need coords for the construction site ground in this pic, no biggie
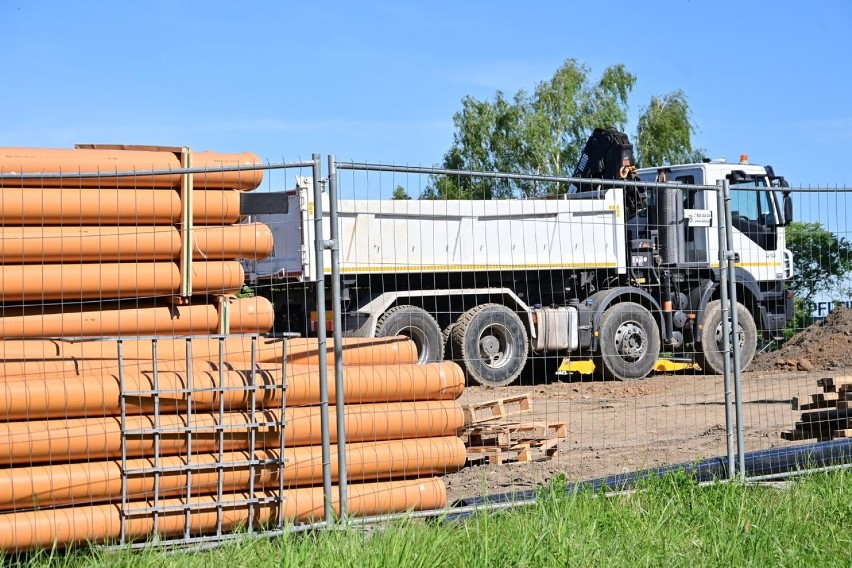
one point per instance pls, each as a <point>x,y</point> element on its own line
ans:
<point>617,427</point>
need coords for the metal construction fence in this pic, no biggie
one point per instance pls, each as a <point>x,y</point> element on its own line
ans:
<point>761,423</point>
<point>188,358</point>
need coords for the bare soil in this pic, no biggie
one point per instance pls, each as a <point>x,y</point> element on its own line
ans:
<point>617,427</point>
<point>620,427</point>
<point>824,346</point>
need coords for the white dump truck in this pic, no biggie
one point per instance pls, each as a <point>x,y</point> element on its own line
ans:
<point>615,276</point>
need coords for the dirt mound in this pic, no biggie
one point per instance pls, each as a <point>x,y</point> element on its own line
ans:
<point>824,346</point>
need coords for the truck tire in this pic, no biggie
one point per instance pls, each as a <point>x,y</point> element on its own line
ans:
<point>447,342</point>
<point>629,341</point>
<point>710,337</point>
<point>416,324</point>
<point>491,342</point>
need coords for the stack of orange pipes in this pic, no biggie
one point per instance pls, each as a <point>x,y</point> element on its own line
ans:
<point>61,439</point>
<point>203,425</point>
<point>76,242</point>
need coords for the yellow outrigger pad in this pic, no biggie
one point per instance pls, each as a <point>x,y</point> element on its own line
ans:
<point>587,366</point>
<point>669,365</point>
<point>582,366</point>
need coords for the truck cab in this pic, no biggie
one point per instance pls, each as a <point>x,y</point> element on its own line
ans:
<point>760,211</point>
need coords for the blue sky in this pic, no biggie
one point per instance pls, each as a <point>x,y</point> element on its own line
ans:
<point>380,81</point>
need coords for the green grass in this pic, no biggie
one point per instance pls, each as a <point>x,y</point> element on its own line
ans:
<point>665,522</point>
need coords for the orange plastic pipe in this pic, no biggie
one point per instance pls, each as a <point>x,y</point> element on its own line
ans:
<point>252,241</point>
<point>69,282</point>
<point>31,397</point>
<point>247,315</point>
<point>37,206</point>
<point>100,523</point>
<point>93,482</point>
<point>37,245</point>
<point>62,441</point>
<point>73,161</point>
<point>356,351</point>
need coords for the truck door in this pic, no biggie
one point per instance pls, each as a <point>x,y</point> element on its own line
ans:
<point>755,220</point>
<point>681,220</point>
<point>698,221</point>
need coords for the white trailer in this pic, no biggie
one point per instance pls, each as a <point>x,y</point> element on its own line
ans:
<point>589,275</point>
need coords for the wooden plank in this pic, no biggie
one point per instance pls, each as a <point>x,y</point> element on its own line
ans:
<point>489,439</point>
<point>505,433</point>
<point>525,455</point>
<point>498,409</point>
<point>824,416</point>
<point>807,430</point>
<point>832,383</point>
<point>795,435</point>
<point>529,430</point>
<point>818,400</point>
<point>560,429</point>
<point>825,397</point>
<point>817,405</point>
<point>498,456</point>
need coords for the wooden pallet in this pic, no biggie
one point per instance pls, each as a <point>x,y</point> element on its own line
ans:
<point>490,433</point>
<point>827,415</point>
<point>498,455</point>
<point>514,453</point>
<point>499,409</point>
<point>504,434</point>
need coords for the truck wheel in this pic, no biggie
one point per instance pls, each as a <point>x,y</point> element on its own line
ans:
<point>447,342</point>
<point>629,341</point>
<point>710,351</point>
<point>416,324</point>
<point>491,342</point>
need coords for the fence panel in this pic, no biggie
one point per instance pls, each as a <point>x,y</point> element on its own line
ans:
<point>140,400</point>
<point>794,392</point>
<point>543,302</point>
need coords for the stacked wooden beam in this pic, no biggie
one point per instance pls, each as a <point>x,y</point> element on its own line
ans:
<point>827,414</point>
<point>495,431</point>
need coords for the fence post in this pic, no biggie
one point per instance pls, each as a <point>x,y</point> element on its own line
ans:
<point>337,335</point>
<point>319,246</point>
<point>726,327</point>
<point>122,389</point>
<point>735,326</point>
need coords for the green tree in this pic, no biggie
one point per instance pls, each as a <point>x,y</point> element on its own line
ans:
<point>821,260</point>
<point>544,132</point>
<point>664,134</point>
<point>400,194</point>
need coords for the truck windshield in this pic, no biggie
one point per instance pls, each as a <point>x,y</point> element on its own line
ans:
<point>754,212</point>
<point>751,203</point>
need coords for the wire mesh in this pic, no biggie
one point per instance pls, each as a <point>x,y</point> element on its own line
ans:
<point>165,381</point>
<point>559,411</point>
<point>124,324</point>
<point>794,392</point>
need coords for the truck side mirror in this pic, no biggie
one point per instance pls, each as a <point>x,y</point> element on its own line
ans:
<point>788,208</point>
